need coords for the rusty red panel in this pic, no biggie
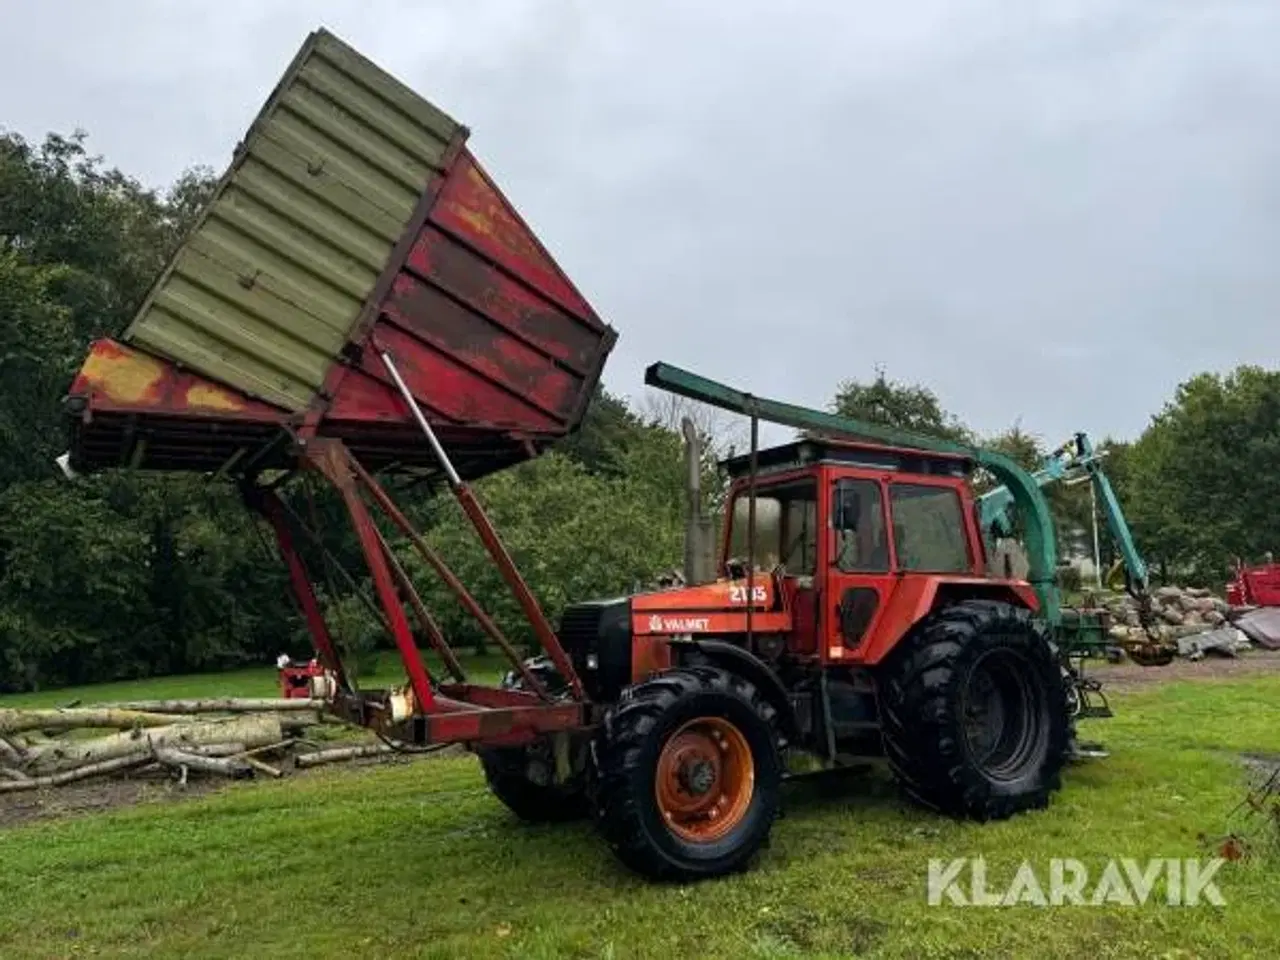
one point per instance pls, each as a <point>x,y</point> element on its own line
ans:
<point>486,329</point>
<point>449,388</point>
<point>472,342</point>
<point>503,300</point>
<point>472,208</point>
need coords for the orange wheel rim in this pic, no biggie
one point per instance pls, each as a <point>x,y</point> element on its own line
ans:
<point>705,781</point>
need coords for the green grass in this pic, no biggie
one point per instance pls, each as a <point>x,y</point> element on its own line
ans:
<point>417,860</point>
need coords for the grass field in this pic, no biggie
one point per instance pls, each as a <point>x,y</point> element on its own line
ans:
<point>415,859</point>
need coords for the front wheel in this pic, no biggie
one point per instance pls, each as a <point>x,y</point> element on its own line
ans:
<point>524,778</point>
<point>975,714</point>
<point>689,774</point>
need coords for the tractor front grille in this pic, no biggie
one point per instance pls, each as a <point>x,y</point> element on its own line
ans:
<point>597,637</point>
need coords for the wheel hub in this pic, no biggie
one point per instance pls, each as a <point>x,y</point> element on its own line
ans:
<point>698,776</point>
<point>1001,714</point>
<point>705,779</point>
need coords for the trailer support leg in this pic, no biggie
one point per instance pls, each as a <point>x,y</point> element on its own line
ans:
<point>333,460</point>
<point>271,507</point>
<point>428,623</point>
<point>459,589</point>
<point>489,536</point>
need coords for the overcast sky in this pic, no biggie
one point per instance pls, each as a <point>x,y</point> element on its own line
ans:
<point>1050,212</point>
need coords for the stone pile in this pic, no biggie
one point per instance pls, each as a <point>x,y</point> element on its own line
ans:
<point>1193,617</point>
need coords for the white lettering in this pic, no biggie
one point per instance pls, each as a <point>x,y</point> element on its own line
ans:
<point>978,886</point>
<point>1025,888</point>
<point>1141,881</point>
<point>1111,888</point>
<point>1199,884</point>
<point>1060,891</point>
<point>944,881</point>
<point>1173,886</point>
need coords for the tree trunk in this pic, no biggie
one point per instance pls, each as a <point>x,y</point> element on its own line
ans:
<point>305,760</point>
<point>9,754</point>
<point>224,767</point>
<point>19,721</point>
<point>115,765</point>
<point>221,705</point>
<point>251,731</point>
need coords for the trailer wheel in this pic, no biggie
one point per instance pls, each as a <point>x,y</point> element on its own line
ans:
<point>974,712</point>
<point>688,774</point>
<point>523,778</point>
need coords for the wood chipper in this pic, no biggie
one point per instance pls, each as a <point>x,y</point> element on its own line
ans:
<point>360,303</point>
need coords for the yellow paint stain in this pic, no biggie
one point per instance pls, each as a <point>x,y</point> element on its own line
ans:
<point>482,209</point>
<point>477,221</point>
<point>207,396</point>
<point>123,377</point>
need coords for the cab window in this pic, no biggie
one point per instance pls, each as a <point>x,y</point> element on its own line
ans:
<point>786,527</point>
<point>858,522</point>
<point>928,528</point>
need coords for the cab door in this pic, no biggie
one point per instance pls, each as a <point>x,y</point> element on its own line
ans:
<point>860,566</point>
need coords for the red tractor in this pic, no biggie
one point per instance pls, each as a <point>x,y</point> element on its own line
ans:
<point>871,630</point>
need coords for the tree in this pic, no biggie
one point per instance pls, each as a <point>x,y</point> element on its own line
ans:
<point>1204,478</point>
<point>888,402</point>
<point>575,535</point>
<point>36,347</point>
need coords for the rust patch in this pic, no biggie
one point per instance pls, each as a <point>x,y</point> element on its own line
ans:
<point>472,207</point>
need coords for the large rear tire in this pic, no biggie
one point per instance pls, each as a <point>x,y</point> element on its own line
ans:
<point>523,778</point>
<point>974,712</point>
<point>689,774</point>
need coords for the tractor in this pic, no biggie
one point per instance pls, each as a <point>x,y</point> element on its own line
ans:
<point>854,619</point>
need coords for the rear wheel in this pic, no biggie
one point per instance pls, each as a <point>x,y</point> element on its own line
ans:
<point>524,778</point>
<point>975,713</point>
<point>688,774</point>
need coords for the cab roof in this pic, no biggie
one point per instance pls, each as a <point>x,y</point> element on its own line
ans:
<point>811,451</point>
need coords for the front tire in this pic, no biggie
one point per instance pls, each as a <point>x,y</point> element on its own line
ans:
<point>689,775</point>
<point>523,778</point>
<point>974,712</point>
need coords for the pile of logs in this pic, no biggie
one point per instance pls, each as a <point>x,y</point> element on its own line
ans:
<point>234,738</point>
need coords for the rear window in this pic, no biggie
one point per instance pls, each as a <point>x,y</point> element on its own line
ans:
<point>928,528</point>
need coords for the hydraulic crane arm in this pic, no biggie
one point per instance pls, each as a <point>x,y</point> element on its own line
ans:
<point>993,506</point>
<point>1038,535</point>
<point>1076,457</point>
<point>1139,574</point>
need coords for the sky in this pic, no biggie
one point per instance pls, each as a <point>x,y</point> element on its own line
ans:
<point>1050,213</point>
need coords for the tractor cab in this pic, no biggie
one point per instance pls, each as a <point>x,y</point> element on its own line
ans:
<point>857,541</point>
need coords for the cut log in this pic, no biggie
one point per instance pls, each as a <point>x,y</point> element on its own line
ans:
<point>222,705</point>
<point>261,767</point>
<point>340,754</point>
<point>10,755</point>
<point>20,721</point>
<point>222,766</point>
<point>251,731</point>
<point>7,774</point>
<point>115,765</point>
<point>270,747</point>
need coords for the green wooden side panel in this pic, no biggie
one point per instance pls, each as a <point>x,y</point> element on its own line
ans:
<point>266,289</point>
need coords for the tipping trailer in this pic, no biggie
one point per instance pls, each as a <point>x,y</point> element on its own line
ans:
<point>360,302</point>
